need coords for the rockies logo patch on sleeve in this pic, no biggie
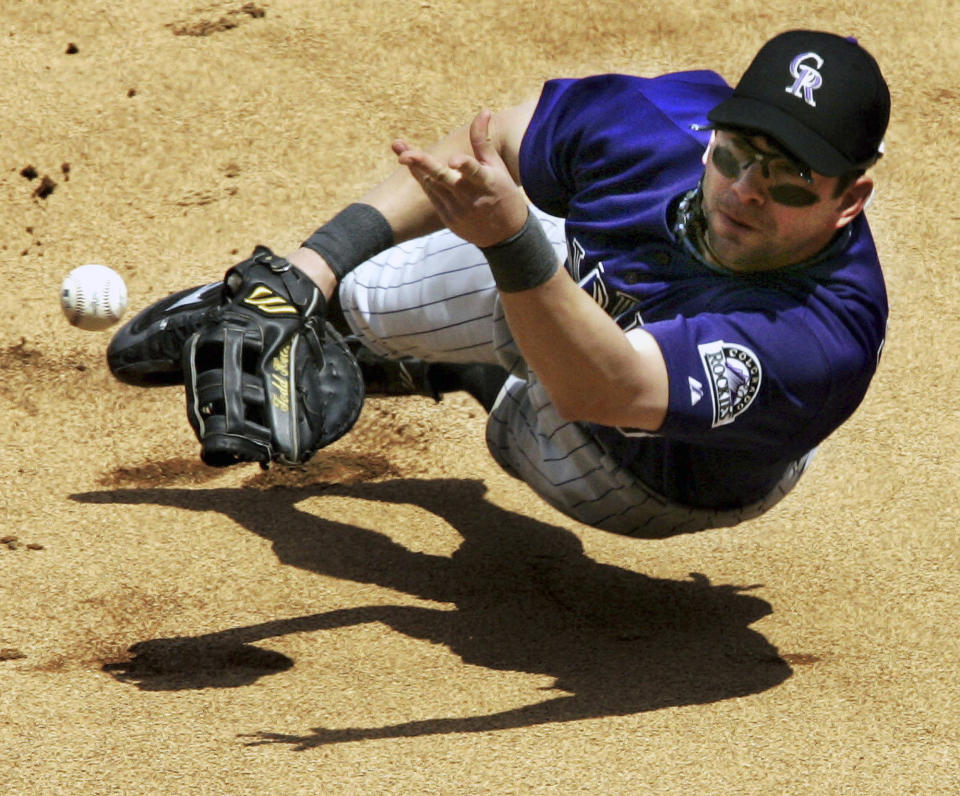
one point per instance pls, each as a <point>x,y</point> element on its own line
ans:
<point>733,374</point>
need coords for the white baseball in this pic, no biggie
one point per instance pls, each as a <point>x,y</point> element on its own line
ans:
<point>93,297</point>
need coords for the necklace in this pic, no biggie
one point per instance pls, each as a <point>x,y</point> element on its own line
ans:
<point>707,249</point>
<point>689,228</point>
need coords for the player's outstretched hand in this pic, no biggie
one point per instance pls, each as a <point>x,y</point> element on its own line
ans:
<point>474,195</point>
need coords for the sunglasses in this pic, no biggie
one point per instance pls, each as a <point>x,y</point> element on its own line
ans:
<point>782,170</point>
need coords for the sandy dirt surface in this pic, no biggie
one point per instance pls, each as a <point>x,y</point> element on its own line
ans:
<point>399,616</point>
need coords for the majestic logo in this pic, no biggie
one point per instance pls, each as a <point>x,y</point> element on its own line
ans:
<point>734,375</point>
<point>280,380</point>
<point>806,77</point>
<point>265,300</point>
<point>696,391</point>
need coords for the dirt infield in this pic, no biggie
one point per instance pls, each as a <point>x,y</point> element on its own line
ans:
<point>399,616</point>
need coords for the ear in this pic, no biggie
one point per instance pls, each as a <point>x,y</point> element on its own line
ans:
<point>854,200</point>
<point>706,152</point>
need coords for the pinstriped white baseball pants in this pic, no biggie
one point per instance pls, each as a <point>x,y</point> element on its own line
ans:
<point>434,298</point>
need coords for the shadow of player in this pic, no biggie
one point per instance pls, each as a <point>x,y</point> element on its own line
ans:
<point>526,599</point>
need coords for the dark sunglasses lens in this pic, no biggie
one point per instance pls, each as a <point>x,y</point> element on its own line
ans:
<point>727,164</point>
<point>792,195</point>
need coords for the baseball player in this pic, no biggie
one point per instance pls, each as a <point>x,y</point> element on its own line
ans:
<point>664,290</point>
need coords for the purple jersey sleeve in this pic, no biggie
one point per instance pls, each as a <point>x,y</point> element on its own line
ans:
<point>736,378</point>
<point>595,141</point>
<point>777,359</point>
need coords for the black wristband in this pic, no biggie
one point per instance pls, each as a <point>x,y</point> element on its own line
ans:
<point>523,261</point>
<point>354,235</point>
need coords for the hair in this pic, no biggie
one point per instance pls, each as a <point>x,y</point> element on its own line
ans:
<point>844,181</point>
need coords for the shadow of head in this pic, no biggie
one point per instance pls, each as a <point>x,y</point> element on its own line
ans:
<point>175,664</point>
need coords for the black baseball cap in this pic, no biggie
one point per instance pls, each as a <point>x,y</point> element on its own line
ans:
<point>818,95</point>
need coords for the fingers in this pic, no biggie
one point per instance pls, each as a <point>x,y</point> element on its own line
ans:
<point>425,168</point>
<point>433,174</point>
<point>464,179</point>
<point>469,168</point>
<point>481,140</point>
<point>473,193</point>
<point>399,146</point>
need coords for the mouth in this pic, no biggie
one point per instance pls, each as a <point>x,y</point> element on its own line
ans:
<point>734,221</point>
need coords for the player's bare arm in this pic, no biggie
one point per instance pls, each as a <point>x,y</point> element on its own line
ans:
<point>403,203</point>
<point>590,369</point>
<point>588,366</point>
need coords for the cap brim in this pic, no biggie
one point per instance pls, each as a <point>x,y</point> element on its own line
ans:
<point>799,140</point>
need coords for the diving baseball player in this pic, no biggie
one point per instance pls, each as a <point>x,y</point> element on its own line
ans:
<point>682,302</point>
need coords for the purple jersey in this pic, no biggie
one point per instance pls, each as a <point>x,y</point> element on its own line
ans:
<point>762,367</point>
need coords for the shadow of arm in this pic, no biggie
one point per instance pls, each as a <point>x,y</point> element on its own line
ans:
<point>559,709</point>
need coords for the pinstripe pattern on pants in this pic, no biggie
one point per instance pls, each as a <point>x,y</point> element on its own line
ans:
<point>434,298</point>
<point>566,465</point>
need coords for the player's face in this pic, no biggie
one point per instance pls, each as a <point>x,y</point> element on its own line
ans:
<point>762,209</point>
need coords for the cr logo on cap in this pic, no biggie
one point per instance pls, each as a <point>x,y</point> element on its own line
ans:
<point>807,78</point>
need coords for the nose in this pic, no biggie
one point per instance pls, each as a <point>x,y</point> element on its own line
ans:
<point>749,183</point>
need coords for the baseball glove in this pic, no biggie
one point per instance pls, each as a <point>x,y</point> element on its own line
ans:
<point>267,379</point>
